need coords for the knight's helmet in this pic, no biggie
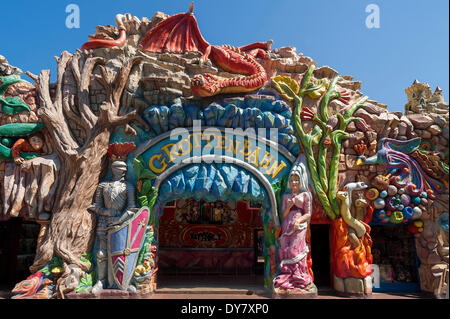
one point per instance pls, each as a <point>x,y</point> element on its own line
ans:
<point>117,153</point>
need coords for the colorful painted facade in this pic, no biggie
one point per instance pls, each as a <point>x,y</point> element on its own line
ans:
<point>156,152</point>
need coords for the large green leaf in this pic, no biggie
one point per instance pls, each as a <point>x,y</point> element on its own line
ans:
<point>146,186</point>
<point>13,104</point>
<point>20,129</point>
<point>143,201</point>
<point>86,282</point>
<point>140,170</point>
<point>138,166</point>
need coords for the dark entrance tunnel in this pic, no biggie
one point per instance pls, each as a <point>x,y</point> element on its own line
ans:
<point>320,254</point>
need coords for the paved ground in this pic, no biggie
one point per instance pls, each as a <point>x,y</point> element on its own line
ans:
<point>323,294</point>
<point>240,287</point>
<point>232,287</point>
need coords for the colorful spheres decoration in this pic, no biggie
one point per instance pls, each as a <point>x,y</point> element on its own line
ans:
<point>397,205</point>
<point>392,190</point>
<point>383,194</point>
<point>416,200</point>
<point>417,213</point>
<point>408,212</point>
<point>396,217</point>
<point>406,199</point>
<point>379,203</point>
<point>372,194</point>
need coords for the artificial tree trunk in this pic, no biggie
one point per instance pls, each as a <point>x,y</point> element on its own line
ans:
<point>72,226</point>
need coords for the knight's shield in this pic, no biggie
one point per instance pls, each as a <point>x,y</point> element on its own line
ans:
<point>124,243</point>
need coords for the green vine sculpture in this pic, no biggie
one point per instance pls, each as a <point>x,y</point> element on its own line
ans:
<point>147,195</point>
<point>323,135</point>
<point>88,280</point>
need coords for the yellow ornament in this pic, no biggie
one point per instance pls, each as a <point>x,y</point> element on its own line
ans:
<point>317,88</point>
<point>372,194</point>
<point>418,223</point>
<point>280,80</point>
<point>57,270</point>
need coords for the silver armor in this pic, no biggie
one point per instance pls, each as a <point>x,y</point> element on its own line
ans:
<point>114,203</point>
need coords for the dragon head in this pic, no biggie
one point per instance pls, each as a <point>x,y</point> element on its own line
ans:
<point>204,85</point>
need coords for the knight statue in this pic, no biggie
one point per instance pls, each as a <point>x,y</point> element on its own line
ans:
<point>114,204</point>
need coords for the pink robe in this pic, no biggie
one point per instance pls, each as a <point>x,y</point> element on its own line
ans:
<point>293,249</point>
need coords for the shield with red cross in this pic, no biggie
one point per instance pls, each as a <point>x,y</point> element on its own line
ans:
<point>125,242</point>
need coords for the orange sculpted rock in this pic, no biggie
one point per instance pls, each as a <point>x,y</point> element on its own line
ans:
<point>348,262</point>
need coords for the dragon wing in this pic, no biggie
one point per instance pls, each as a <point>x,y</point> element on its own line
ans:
<point>177,34</point>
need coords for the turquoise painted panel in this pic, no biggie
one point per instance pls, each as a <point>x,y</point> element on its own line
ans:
<point>210,184</point>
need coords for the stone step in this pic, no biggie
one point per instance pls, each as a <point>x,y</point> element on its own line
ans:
<point>244,285</point>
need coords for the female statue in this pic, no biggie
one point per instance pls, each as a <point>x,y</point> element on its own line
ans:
<point>293,249</point>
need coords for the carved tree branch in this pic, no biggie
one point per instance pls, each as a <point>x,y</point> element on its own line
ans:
<point>68,111</point>
<point>121,79</point>
<point>109,110</point>
<point>83,92</point>
<point>107,118</point>
<point>53,117</point>
<point>105,80</point>
<point>62,65</point>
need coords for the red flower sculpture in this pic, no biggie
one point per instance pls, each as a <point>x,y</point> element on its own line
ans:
<point>326,141</point>
<point>360,148</point>
<point>306,114</point>
<point>344,97</point>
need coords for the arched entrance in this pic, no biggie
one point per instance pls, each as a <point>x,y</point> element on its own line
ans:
<point>234,181</point>
<point>220,177</point>
<point>224,183</point>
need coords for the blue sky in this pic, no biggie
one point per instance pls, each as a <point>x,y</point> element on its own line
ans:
<point>411,43</point>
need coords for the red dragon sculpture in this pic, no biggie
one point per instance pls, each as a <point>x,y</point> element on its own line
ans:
<point>104,43</point>
<point>180,33</point>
